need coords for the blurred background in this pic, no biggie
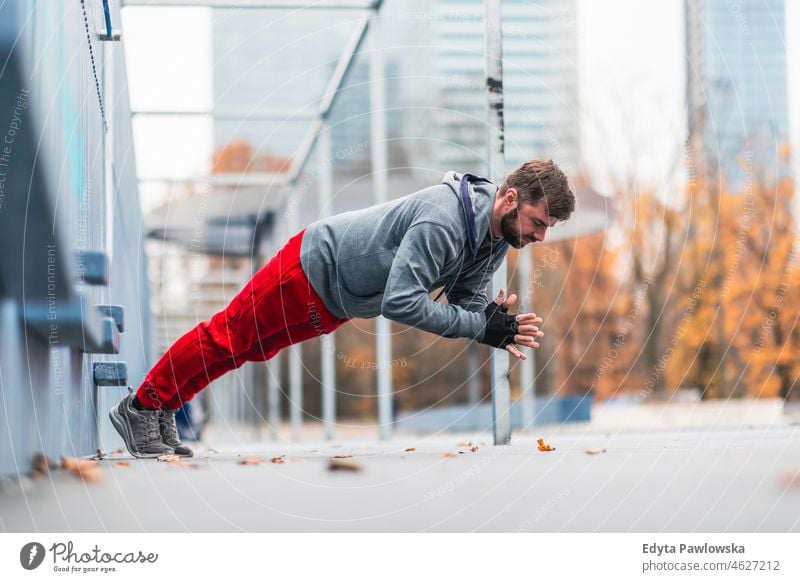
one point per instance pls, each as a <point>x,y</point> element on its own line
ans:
<point>198,148</point>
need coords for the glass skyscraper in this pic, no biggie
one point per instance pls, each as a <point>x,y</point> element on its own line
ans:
<point>737,84</point>
<point>539,80</point>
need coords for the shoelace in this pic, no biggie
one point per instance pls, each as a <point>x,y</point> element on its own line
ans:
<point>151,428</point>
<point>166,418</point>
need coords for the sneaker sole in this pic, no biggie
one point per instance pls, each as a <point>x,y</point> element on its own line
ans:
<point>122,427</point>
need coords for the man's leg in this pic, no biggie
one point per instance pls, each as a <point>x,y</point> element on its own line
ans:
<point>278,298</point>
<point>219,345</point>
<point>266,348</point>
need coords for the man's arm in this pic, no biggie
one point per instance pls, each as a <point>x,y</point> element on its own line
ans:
<point>424,250</point>
<point>470,293</point>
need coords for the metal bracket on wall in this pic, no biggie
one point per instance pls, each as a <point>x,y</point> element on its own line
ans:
<point>70,322</point>
<point>74,323</point>
<point>94,268</point>
<point>115,312</point>
<point>110,373</point>
<point>116,34</point>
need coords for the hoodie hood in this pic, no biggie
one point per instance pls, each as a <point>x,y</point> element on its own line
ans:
<point>481,193</point>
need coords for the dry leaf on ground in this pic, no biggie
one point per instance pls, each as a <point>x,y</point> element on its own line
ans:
<point>465,444</point>
<point>281,459</point>
<point>342,456</point>
<point>122,464</point>
<point>336,464</point>
<point>82,468</point>
<point>169,458</point>
<point>594,451</point>
<point>41,465</point>
<point>474,449</point>
<point>791,480</point>
<point>410,450</point>
<point>543,447</point>
<point>250,461</point>
<point>448,455</point>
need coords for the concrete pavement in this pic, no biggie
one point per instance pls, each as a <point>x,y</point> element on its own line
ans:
<point>744,480</point>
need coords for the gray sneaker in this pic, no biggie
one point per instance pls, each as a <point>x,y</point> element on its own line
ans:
<point>169,432</point>
<point>138,429</point>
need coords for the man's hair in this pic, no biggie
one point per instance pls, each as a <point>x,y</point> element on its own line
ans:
<point>542,179</point>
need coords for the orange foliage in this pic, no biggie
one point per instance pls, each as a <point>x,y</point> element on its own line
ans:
<point>741,335</point>
<point>576,291</point>
<point>238,156</point>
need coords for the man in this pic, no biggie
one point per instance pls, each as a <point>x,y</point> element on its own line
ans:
<point>383,260</point>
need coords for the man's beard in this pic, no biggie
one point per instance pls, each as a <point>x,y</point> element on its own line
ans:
<point>507,229</point>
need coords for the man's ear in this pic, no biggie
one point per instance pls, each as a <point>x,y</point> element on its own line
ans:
<point>510,196</point>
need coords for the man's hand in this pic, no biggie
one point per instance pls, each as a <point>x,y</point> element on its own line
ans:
<point>528,330</point>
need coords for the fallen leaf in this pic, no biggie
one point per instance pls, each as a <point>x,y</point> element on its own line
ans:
<point>410,450</point>
<point>336,464</point>
<point>82,468</point>
<point>474,449</point>
<point>342,456</point>
<point>280,459</point>
<point>212,451</point>
<point>465,444</point>
<point>543,447</point>
<point>791,480</point>
<point>448,455</point>
<point>250,461</point>
<point>594,451</point>
<point>41,465</point>
<point>122,464</point>
<point>169,458</point>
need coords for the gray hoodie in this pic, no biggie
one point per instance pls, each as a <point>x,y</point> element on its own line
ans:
<point>386,259</point>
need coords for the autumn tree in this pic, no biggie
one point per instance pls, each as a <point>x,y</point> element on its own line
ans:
<point>576,290</point>
<point>738,331</point>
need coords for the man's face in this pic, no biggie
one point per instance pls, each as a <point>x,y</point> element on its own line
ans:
<point>526,223</point>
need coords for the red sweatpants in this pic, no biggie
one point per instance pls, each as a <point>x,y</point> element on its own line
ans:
<point>277,308</point>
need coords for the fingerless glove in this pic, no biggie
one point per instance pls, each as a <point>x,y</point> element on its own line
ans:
<point>500,327</point>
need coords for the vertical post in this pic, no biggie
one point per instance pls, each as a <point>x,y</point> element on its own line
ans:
<point>328,342</point>
<point>274,394</point>
<point>501,391</point>
<point>253,402</point>
<point>12,386</point>
<point>377,92</point>
<point>295,355</point>
<point>108,145</point>
<point>527,367</point>
<point>296,391</point>
<point>474,385</point>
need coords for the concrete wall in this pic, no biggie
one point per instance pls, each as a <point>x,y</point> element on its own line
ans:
<point>68,185</point>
